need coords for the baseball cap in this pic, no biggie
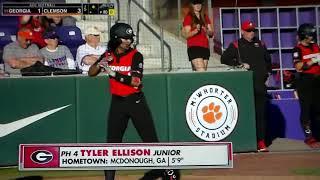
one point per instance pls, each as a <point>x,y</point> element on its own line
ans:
<point>248,25</point>
<point>50,35</point>
<point>197,1</point>
<point>25,33</point>
<point>92,31</point>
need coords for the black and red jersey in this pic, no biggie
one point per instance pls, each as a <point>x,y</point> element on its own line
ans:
<point>304,54</point>
<point>125,65</point>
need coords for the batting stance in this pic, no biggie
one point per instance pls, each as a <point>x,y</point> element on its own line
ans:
<point>124,65</point>
<point>306,56</point>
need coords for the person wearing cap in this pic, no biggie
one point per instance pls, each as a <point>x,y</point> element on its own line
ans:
<point>58,21</point>
<point>306,59</point>
<point>124,65</point>
<point>197,29</point>
<point>21,53</point>
<point>250,53</point>
<point>58,56</point>
<point>38,25</point>
<point>88,53</point>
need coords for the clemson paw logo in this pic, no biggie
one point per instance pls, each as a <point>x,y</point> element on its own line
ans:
<point>211,113</point>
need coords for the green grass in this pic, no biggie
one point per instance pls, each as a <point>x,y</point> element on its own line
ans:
<point>13,172</point>
<point>307,171</point>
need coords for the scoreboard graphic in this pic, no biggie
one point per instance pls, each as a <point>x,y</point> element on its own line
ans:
<point>42,9</point>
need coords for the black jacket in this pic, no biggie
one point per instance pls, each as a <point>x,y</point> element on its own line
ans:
<point>253,53</point>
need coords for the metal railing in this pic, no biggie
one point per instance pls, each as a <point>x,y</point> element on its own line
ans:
<point>159,36</point>
<point>118,10</point>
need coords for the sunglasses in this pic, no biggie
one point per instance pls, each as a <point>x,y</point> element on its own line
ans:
<point>250,30</point>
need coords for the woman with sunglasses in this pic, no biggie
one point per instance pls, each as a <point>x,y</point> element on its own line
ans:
<point>250,53</point>
<point>197,29</point>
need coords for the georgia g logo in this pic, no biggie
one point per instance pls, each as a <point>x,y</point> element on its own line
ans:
<point>41,156</point>
<point>211,113</point>
<point>129,31</point>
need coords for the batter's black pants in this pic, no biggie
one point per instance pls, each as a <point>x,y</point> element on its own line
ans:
<point>132,107</point>
<point>308,88</point>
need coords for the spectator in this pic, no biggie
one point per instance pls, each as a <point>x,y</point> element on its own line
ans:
<point>38,25</point>
<point>58,56</point>
<point>251,54</point>
<point>21,53</point>
<point>87,54</point>
<point>57,21</point>
<point>196,29</point>
<point>307,63</point>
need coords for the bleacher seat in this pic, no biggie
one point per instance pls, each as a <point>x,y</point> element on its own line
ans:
<point>9,22</point>
<point>5,38</point>
<point>70,36</point>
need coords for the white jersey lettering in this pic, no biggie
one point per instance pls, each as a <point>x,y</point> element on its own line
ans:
<point>309,56</point>
<point>120,68</point>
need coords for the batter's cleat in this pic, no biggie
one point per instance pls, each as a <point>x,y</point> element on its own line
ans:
<point>262,146</point>
<point>171,174</point>
<point>312,142</point>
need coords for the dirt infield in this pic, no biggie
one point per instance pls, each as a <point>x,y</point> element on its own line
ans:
<point>251,166</point>
<point>268,164</point>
